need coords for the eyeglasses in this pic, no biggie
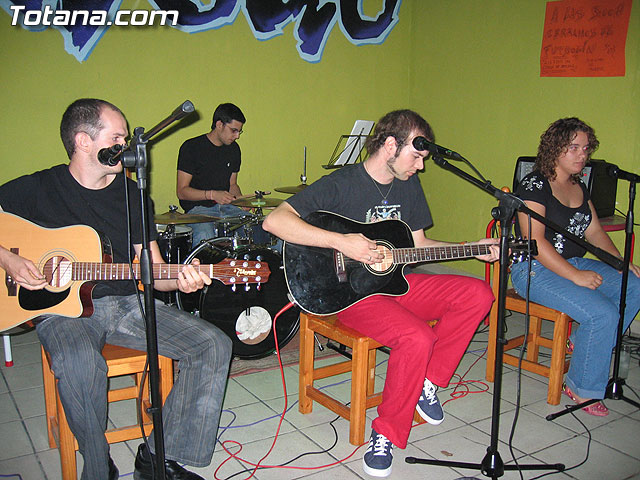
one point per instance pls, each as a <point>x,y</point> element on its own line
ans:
<point>234,130</point>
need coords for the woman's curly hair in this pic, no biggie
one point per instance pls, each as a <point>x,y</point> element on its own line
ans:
<point>556,140</point>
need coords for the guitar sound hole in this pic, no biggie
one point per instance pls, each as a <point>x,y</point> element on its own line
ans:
<point>58,272</point>
<point>387,261</point>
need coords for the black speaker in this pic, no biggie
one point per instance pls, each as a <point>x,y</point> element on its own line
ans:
<point>601,186</point>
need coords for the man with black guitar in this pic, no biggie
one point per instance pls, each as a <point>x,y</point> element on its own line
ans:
<point>384,187</point>
<point>90,192</point>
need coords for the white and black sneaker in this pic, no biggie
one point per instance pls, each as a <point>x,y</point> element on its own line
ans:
<point>378,457</point>
<point>428,405</point>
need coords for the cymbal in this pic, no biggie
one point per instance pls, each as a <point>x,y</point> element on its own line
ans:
<point>296,189</point>
<point>177,218</point>
<point>257,202</point>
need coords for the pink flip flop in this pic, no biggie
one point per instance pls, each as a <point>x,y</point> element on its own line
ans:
<point>597,409</point>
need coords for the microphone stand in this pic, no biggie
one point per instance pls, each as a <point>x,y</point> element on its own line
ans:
<point>492,464</point>
<point>136,157</point>
<point>614,386</point>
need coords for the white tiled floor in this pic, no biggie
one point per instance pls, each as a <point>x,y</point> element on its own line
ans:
<point>253,403</point>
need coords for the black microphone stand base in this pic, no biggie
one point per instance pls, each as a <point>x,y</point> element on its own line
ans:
<point>492,465</point>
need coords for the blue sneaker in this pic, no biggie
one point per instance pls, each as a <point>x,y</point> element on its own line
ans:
<point>428,405</point>
<point>378,457</point>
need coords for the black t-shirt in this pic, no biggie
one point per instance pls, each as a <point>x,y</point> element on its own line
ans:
<point>209,165</point>
<point>352,193</point>
<point>53,198</point>
<point>536,188</point>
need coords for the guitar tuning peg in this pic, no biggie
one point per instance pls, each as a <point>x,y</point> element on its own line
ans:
<point>247,287</point>
<point>258,285</point>
<point>233,287</point>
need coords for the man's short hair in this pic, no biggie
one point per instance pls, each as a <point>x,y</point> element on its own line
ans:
<point>83,115</point>
<point>398,124</point>
<point>227,113</point>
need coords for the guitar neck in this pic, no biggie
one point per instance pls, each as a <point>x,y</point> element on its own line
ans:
<point>86,271</point>
<point>434,254</point>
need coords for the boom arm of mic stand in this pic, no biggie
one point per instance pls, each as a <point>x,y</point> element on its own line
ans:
<point>519,205</point>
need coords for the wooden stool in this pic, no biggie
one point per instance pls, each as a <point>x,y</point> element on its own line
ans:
<point>362,367</point>
<point>120,361</point>
<point>558,343</point>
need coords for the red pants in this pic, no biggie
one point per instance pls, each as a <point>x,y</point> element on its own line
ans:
<point>419,351</point>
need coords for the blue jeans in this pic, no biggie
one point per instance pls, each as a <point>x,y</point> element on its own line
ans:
<point>205,231</point>
<point>597,312</point>
<point>192,410</point>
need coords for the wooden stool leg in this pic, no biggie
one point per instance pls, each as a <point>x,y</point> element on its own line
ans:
<point>533,342</point>
<point>49,383</point>
<point>305,404</point>
<point>359,382</point>
<point>67,446</point>
<point>371,377</point>
<point>556,370</point>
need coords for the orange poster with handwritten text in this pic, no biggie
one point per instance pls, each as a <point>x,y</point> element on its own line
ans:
<point>585,38</point>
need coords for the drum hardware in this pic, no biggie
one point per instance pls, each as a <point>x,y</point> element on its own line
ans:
<point>173,217</point>
<point>257,201</point>
<point>175,242</point>
<point>244,315</point>
<point>303,179</point>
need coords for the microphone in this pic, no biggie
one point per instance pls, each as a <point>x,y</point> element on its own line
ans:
<point>421,143</point>
<point>111,156</point>
<point>615,172</point>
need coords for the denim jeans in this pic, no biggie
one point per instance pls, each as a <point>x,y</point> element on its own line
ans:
<point>192,410</point>
<point>207,230</point>
<point>597,312</point>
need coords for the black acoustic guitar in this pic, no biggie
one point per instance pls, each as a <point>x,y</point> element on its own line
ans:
<point>324,281</point>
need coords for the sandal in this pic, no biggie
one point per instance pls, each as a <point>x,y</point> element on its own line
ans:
<point>569,346</point>
<point>597,409</point>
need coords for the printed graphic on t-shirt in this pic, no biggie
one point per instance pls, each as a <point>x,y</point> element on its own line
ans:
<point>383,212</point>
<point>531,183</point>
<point>578,224</point>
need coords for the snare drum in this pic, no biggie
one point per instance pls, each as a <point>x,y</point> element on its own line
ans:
<point>174,242</point>
<point>245,316</point>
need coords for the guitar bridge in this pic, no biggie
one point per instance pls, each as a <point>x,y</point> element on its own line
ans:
<point>339,266</point>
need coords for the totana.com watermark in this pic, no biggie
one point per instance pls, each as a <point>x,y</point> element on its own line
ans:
<point>65,18</point>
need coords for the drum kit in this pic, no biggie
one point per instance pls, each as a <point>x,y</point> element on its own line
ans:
<point>245,315</point>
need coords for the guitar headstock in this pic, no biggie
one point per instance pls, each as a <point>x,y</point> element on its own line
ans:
<point>234,271</point>
<point>520,248</point>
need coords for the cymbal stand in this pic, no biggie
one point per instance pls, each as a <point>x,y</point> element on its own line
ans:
<point>614,386</point>
<point>303,177</point>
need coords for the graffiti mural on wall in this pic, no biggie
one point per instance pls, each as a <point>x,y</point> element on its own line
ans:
<point>82,23</point>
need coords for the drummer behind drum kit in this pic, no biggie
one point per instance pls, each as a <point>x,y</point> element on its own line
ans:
<point>244,314</point>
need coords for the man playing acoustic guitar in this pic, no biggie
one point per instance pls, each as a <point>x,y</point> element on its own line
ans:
<point>385,187</point>
<point>89,193</point>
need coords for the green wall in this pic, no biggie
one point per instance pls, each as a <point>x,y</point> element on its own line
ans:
<point>471,68</point>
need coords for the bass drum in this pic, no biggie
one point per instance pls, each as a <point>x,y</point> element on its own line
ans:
<point>246,316</point>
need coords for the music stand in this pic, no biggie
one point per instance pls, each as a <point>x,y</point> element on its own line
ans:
<point>353,143</point>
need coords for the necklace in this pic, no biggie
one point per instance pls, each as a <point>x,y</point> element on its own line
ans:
<point>384,197</point>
